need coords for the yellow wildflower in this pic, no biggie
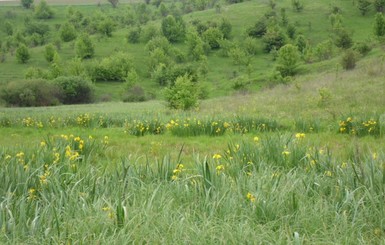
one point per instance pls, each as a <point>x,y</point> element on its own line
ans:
<point>217,156</point>
<point>250,197</point>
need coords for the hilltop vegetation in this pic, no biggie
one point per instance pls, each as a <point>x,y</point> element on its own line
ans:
<point>132,51</point>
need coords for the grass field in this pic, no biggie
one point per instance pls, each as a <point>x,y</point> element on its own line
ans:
<point>300,162</point>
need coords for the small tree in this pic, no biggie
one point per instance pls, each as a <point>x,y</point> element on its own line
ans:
<point>49,52</point>
<point>274,38</point>
<point>349,60</point>
<point>364,6</point>
<point>297,5</point>
<point>67,32</point>
<point>213,37</point>
<point>379,5</point>
<point>225,27</point>
<point>288,58</point>
<point>26,3</point>
<point>343,39</point>
<point>173,28</point>
<point>183,94</point>
<point>8,28</point>
<point>379,25</point>
<point>114,3</point>
<point>22,54</point>
<point>84,47</point>
<point>43,11</point>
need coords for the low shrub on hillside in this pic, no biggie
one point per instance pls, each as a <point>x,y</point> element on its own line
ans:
<point>74,90</point>
<point>113,68</point>
<point>35,92</point>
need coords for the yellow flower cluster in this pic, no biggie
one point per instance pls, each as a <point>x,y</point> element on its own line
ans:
<point>250,197</point>
<point>177,171</point>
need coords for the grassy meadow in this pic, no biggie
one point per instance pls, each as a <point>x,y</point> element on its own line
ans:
<point>300,162</point>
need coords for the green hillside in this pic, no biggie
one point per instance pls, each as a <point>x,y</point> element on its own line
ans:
<point>223,75</point>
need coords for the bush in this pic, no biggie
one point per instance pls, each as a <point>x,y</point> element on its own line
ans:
<point>22,54</point>
<point>26,3</point>
<point>113,68</point>
<point>49,52</point>
<point>274,38</point>
<point>363,47</point>
<point>324,50</point>
<point>36,92</point>
<point>75,90</point>
<point>135,93</point>
<point>288,57</point>
<point>67,32</point>
<point>43,11</point>
<point>343,39</point>
<point>84,47</point>
<point>173,28</point>
<point>213,37</point>
<point>349,60</point>
<point>183,94</point>
<point>259,29</point>
<point>134,35</point>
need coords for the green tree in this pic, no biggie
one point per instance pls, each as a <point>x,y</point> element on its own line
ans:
<point>349,60</point>
<point>67,32</point>
<point>297,5</point>
<point>379,25</point>
<point>213,37</point>
<point>49,52</point>
<point>364,6</point>
<point>343,39</point>
<point>43,11</point>
<point>114,3</point>
<point>225,27</point>
<point>8,28</point>
<point>106,27</point>
<point>173,28</point>
<point>379,5</point>
<point>183,94</point>
<point>288,58</point>
<point>84,47</point>
<point>22,54</point>
<point>195,45</point>
<point>274,38</point>
<point>26,3</point>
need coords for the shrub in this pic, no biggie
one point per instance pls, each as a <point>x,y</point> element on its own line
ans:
<point>213,36</point>
<point>113,68</point>
<point>349,60</point>
<point>259,29</point>
<point>43,11</point>
<point>343,39</point>
<point>225,27</point>
<point>274,38</point>
<point>363,47</point>
<point>75,90</point>
<point>67,32</point>
<point>84,47</point>
<point>134,35</point>
<point>324,50</point>
<point>26,3</point>
<point>22,54</point>
<point>183,94</point>
<point>173,28</point>
<point>134,93</point>
<point>49,52</point>
<point>288,57</point>
<point>379,25</point>
<point>32,27</point>
<point>36,92</point>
